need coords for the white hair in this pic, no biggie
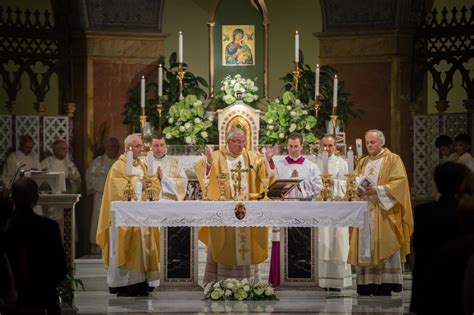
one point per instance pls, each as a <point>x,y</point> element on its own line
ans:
<point>235,132</point>
<point>379,133</point>
<point>128,140</point>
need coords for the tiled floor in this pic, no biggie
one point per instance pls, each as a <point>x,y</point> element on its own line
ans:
<point>290,301</point>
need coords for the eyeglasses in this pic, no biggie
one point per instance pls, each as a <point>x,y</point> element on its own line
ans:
<point>239,142</point>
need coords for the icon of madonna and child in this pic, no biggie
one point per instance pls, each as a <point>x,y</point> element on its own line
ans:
<point>238,45</point>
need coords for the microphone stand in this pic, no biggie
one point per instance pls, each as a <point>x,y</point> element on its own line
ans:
<point>16,174</point>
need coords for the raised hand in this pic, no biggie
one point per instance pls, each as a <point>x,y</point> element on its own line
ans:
<point>208,153</point>
<point>271,151</point>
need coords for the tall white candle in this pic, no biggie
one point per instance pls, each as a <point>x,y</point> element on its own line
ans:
<point>129,156</point>
<point>316,82</point>
<point>160,80</point>
<point>334,96</point>
<point>297,47</point>
<point>359,146</point>
<point>150,162</point>
<point>350,160</point>
<point>180,47</point>
<point>142,92</point>
<point>325,155</point>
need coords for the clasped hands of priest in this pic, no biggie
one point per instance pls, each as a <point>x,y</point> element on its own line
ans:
<point>146,180</point>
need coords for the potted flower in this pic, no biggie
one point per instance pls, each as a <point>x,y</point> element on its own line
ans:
<point>237,88</point>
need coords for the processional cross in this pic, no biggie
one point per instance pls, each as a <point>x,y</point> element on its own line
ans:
<point>237,178</point>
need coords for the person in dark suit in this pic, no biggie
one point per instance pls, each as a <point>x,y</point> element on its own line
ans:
<point>35,251</point>
<point>8,294</point>
<point>436,223</point>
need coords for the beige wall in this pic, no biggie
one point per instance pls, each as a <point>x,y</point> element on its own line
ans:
<point>457,94</point>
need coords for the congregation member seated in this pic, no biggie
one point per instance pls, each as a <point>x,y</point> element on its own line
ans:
<point>445,146</point>
<point>462,145</point>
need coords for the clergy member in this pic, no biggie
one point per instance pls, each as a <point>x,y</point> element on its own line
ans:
<point>131,254</point>
<point>333,243</point>
<point>170,168</point>
<point>294,165</point>
<point>95,180</point>
<point>60,162</point>
<point>233,252</point>
<point>385,187</point>
<point>24,159</point>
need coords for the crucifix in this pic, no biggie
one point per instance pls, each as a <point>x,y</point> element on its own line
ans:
<point>237,179</point>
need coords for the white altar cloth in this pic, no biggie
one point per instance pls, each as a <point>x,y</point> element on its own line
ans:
<point>194,213</point>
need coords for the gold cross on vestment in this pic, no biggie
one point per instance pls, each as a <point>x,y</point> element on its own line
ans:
<point>243,250</point>
<point>237,177</point>
<point>371,171</point>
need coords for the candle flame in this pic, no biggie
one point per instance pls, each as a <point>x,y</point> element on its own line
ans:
<point>350,148</point>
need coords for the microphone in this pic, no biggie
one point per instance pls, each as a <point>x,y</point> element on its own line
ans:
<point>16,174</point>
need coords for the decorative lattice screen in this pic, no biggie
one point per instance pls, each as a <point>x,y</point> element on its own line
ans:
<point>55,128</point>
<point>5,137</point>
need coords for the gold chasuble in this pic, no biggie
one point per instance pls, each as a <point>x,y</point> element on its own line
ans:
<point>392,228</point>
<point>137,248</point>
<point>234,246</point>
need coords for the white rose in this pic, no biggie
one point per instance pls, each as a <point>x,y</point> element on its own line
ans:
<point>216,285</point>
<point>308,127</point>
<point>305,112</point>
<point>292,113</point>
<point>270,127</point>
<point>281,135</point>
<point>288,107</point>
<point>277,101</point>
<point>187,125</point>
<point>269,291</point>
<point>297,102</point>
<point>292,127</point>
<point>204,134</point>
<point>171,120</point>
<point>181,128</point>
<point>246,288</point>
<point>228,292</point>
<point>197,120</point>
<point>188,140</point>
<point>270,121</point>
<point>244,281</point>
<point>255,97</point>
<point>230,285</point>
<point>168,136</point>
<point>232,82</point>
<point>197,103</point>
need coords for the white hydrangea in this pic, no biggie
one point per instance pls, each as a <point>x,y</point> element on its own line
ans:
<point>216,285</point>
<point>292,113</point>
<point>181,128</point>
<point>197,120</point>
<point>244,281</point>
<point>270,127</point>
<point>288,107</point>
<point>204,134</point>
<point>230,285</point>
<point>171,120</point>
<point>281,135</point>
<point>188,139</point>
<point>168,136</point>
<point>304,112</point>
<point>187,125</point>
<point>292,127</point>
<point>228,292</point>
<point>246,288</point>
<point>297,102</point>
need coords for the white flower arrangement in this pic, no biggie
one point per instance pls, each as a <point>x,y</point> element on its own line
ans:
<point>239,290</point>
<point>284,116</point>
<point>187,122</point>
<point>234,88</point>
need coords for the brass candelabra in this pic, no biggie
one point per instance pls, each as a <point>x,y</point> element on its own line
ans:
<point>159,109</point>
<point>180,76</point>
<point>351,188</point>
<point>150,194</point>
<point>129,191</point>
<point>296,77</point>
<point>222,178</point>
<point>326,191</point>
<point>317,105</point>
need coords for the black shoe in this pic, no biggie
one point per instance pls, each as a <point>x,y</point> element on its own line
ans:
<point>332,289</point>
<point>150,289</point>
<point>117,290</point>
<point>113,290</point>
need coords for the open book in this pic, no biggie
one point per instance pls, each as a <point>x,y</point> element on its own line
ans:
<point>365,183</point>
<point>280,187</point>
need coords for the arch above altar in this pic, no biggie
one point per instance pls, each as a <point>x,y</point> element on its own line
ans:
<point>239,115</point>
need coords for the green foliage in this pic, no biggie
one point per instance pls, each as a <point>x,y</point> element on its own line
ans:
<point>192,85</point>
<point>287,116</point>
<point>65,290</point>
<point>345,107</point>
<point>187,122</point>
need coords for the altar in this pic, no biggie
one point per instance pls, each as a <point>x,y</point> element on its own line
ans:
<point>190,215</point>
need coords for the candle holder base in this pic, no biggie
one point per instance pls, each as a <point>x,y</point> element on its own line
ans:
<point>150,194</point>
<point>129,191</point>
<point>351,190</point>
<point>326,192</point>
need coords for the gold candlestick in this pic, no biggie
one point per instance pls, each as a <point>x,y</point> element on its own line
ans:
<point>205,182</point>
<point>296,77</point>
<point>129,191</point>
<point>222,178</point>
<point>317,105</point>
<point>351,188</point>
<point>180,76</point>
<point>150,194</point>
<point>142,129</point>
<point>326,191</point>
<point>159,109</point>
<point>265,182</point>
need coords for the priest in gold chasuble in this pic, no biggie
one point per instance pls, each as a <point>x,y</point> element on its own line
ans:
<point>130,254</point>
<point>384,183</point>
<point>233,252</point>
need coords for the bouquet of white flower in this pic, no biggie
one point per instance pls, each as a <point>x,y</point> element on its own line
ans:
<point>239,290</point>
<point>187,122</point>
<point>287,116</point>
<point>234,88</point>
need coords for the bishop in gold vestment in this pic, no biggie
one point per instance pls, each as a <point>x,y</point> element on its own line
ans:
<point>233,252</point>
<point>390,220</point>
<point>130,254</point>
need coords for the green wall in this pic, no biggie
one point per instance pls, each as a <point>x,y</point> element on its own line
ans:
<point>457,94</point>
